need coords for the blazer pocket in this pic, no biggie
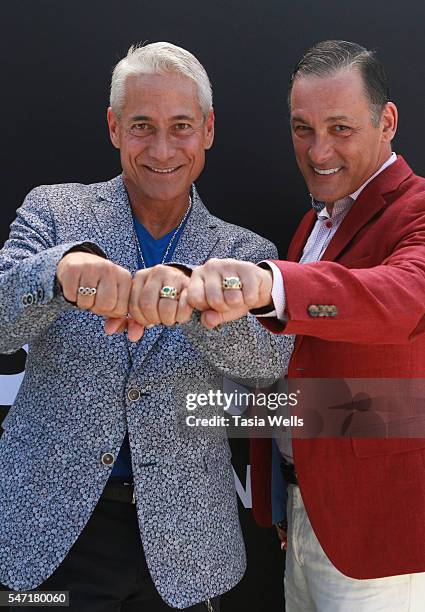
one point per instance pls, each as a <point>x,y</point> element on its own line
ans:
<point>378,447</point>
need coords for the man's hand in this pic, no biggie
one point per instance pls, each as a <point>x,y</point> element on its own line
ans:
<point>205,291</point>
<point>146,306</point>
<point>135,303</point>
<point>112,283</point>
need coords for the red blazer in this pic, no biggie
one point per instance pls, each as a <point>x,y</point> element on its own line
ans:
<point>365,497</point>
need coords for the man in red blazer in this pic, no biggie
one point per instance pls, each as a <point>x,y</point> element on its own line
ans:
<point>353,291</point>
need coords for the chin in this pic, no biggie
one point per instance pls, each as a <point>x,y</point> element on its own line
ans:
<point>323,195</point>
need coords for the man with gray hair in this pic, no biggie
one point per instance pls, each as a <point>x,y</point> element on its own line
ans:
<point>101,493</point>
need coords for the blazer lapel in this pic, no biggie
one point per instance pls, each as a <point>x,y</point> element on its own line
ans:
<point>113,214</point>
<point>301,235</point>
<point>199,236</point>
<point>368,204</point>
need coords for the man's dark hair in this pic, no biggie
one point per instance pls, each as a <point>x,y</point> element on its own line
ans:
<point>329,56</point>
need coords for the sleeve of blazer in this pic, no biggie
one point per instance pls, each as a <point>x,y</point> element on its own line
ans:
<point>384,304</point>
<point>243,350</point>
<point>30,298</point>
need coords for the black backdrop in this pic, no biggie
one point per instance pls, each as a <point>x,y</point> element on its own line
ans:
<point>56,59</point>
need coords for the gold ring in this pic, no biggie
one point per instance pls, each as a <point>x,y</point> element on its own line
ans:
<point>231,282</point>
<point>168,292</point>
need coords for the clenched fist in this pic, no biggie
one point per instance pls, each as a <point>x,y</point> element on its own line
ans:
<point>112,283</point>
<point>218,305</point>
<point>135,303</point>
<point>146,306</point>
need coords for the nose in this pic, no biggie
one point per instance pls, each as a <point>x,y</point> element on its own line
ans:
<point>321,150</point>
<point>161,148</point>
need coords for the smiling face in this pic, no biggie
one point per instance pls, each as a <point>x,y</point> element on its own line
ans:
<point>336,144</point>
<point>162,136</point>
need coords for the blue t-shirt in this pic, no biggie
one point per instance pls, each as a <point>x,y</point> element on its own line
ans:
<point>153,252</point>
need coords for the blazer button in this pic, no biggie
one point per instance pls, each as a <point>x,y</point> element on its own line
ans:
<point>313,310</point>
<point>133,395</point>
<point>107,459</point>
<point>333,310</point>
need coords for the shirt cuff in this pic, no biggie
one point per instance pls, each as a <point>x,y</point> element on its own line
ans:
<point>278,293</point>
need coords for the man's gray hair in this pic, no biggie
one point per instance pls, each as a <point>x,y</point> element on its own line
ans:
<point>159,58</point>
<point>329,56</point>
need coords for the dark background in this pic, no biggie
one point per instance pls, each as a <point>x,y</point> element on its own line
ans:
<point>56,61</point>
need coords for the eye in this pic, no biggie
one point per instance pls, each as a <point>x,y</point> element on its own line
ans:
<point>301,129</point>
<point>140,127</point>
<point>181,127</point>
<point>342,128</point>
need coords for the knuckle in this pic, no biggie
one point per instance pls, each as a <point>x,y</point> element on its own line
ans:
<point>133,310</point>
<point>68,294</point>
<point>233,297</point>
<point>120,312</point>
<point>167,319</point>
<point>211,263</point>
<point>191,294</point>
<point>106,305</point>
<point>110,303</point>
<point>133,301</point>
<point>215,301</point>
<point>159,269</point>
<point>125,275</point>
<point>144,303</point>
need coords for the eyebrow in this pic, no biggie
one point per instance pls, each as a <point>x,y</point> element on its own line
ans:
<point>329,119</point>
<point>175,118</point>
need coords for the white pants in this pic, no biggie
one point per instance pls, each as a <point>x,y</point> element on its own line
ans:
<point>313,584</point>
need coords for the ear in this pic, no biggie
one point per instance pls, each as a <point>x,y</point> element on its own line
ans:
<point>114,128</point>
<point>209,130</point>
<point>389,121</point>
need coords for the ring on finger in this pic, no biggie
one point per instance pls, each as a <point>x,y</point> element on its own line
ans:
<point>231,282</point>
<point>169,292</point>
<point>87,290</point>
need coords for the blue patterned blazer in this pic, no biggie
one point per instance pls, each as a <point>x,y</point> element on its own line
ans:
<point>73,405</point>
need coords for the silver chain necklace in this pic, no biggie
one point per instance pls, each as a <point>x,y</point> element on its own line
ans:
<point>139,248</point>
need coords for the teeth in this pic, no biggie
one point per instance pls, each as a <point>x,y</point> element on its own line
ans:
<point>162,171</point>
<point>328,171</point>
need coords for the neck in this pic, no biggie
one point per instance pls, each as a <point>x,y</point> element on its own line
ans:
<point>158,216</point>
